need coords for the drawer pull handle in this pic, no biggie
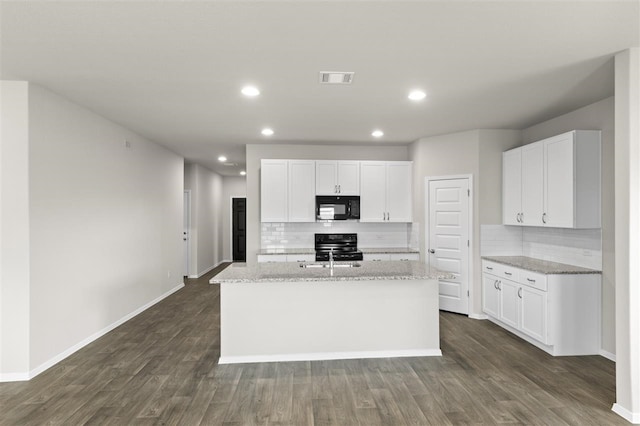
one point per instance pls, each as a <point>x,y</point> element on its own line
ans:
<point>489,268</point>
<point>508,273</point>
<point>530,280</point>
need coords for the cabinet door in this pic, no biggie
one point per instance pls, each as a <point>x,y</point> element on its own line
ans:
<point>398,191</point>
<point>532,185</point>
<point>511,186</point>
<point>559,181</point>
<point>302,200</point>
<point>349,177</point>
<point>273,191</point>
<point>533,313</point>
<point>326,177</point>
<point>490,295</point>
<point>372,191</point>
<point>509,302</point>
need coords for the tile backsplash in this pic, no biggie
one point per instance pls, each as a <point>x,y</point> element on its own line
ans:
<point>370,235</point>
<point>580,247</point>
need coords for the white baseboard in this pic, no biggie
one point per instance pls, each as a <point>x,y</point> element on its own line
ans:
<point>479,316</point>
<point>608,355</point>
<point>323,356</point>
<point>56,359</point>
<point>626,414</point>
<point>201,274</point>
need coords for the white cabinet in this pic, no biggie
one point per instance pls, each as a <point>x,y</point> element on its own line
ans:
<point>273,191</point>
<point>376,257</point>
<point>287,191</point>
<point>277,258</point>
<point>558,313</point>
<point>554,182</point>
<point>302,201</point>
<point>385,191</point>
<point>337,177</point>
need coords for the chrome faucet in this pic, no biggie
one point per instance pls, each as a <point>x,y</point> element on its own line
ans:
<point>331,259</point>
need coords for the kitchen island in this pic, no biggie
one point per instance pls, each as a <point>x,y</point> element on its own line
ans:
<point>285,312</point>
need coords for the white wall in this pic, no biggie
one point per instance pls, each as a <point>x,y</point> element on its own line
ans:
<point>14,230</point>
<point>477,153</point>
<point>206,218</point>
<point>255,153</point>
<point>232,186</point>
<point>105,225</point>
<point>597,116</point>
<point>627,233</point>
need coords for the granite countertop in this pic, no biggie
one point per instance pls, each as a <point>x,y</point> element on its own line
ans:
<point>287,251</point>
<point>287,271</point>
<point>540,266</point>
<point>389,250</point>
<point>313,251</point>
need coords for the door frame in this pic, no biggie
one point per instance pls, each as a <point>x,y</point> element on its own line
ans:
<point>427,258</point>
<point>231,226</point>
<point>187,267</point>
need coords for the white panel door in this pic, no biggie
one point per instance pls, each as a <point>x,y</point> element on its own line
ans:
<point>449,240</point>
<point>326,177</point>
<point>511,186</point>
<point>349,177</point>
<point>372,191</point>
<point>273,191</point>
<point>302,200</point>
<point>399,177</point>
<point>186,225</point>
<point>532,185</point>
<point>559,182</point>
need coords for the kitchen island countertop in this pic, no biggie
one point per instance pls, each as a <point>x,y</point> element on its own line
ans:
<point>288,271</point>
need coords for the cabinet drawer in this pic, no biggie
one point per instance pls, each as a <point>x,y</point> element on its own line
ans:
<point>533,279</point>
<point>270,258</point>
<point>301,258</point>
<point>404,256</point>
<point>500,270</point>
<point>376,257</point>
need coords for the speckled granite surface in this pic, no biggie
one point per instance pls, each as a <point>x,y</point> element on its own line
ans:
<point>388,250</point>
<point>540,266</point>
<point>287,251</point>
<point>289,271</point>
<point>312,251</point>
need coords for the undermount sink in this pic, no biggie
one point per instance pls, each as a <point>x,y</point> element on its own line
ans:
<point>326,265</point>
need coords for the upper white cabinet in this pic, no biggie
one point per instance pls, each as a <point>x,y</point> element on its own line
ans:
<point>287,191</point>
<point>385,191</point>
<point>273,190</point>
<point>554,182</point>
<point>337,177</point>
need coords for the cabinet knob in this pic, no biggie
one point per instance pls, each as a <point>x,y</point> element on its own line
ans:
<point>433,251</point>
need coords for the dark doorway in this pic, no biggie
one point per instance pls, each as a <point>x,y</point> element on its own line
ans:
<point>239,223</point>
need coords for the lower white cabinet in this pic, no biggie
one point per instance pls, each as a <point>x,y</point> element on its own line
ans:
<point>376,257</point>
<point>559,313</point>
<point>272,258</point>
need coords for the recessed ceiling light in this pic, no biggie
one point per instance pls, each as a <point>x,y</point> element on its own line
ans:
<point>267,131</point>
<point>243,173</point>
<point>377,133</point>
<point>417,95</point>
<point>250,91</point>
<point>222,158</point>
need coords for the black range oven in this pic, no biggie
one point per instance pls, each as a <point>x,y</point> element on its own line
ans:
<point>344,247</point>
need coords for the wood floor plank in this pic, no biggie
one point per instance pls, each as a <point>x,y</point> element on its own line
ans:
<point>161,367</point>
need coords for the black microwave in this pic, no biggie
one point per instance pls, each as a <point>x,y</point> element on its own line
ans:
<point>337,207</point>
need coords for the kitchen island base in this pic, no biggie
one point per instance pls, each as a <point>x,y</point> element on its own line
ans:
<point>307,320</point>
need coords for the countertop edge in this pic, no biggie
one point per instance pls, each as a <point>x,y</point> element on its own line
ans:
<point>568,271</point>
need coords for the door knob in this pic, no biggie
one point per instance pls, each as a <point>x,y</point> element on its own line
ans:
<point>432,251</point>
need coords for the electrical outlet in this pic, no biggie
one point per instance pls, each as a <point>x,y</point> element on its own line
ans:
<point>168,274</point>
<point>127,144</point>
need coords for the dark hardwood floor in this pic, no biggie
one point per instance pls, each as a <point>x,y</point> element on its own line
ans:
<point>161,368</point>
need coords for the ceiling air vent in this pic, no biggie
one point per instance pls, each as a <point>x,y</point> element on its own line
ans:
<point>229,164</point>
<point>336,77</point>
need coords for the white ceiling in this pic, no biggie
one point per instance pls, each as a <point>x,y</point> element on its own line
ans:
<point>172,70</point>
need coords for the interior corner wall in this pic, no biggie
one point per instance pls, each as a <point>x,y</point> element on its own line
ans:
<point>206,219</point>
<point>232,186</point>
<point>14,230</point>
<point>256,152</point>
<point>597,116</point>
<point>105,225</point>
